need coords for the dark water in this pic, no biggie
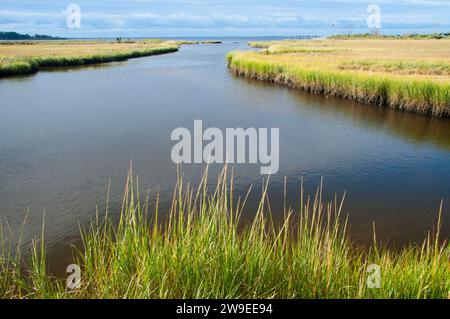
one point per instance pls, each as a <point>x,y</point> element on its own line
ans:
<point>65,134</point>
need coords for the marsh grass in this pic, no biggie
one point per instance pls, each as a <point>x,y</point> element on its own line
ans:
<point>28,59</point>
<point>201,249</point>
<point>280,49</point>
<point>401,67</point>
<point>414,36</point>
<point>413,77</point>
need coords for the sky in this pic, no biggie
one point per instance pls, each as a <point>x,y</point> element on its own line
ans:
<point>178,18</point>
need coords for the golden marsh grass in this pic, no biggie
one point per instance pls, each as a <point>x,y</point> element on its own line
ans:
<point>26,58</point>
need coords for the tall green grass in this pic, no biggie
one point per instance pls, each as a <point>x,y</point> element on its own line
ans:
<point>34,64</point>
<point>423,96</point>
<point>203,250</point>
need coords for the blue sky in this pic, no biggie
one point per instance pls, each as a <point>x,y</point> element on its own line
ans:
<point>176,18</point>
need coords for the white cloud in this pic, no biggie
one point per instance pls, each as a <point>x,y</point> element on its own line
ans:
<point>149,19</point>
<point>241,16</point>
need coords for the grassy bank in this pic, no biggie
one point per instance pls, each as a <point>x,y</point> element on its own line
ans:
<point>202,250</point>
<point>30,57</point>
<point>411,75</point>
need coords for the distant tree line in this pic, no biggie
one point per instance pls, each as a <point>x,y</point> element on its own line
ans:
<point>19,36</point>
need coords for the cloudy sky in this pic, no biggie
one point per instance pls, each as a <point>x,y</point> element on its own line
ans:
<point>176,18</point>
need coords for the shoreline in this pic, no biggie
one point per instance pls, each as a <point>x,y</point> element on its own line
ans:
<point>316,87</point>
<point>32,65</point>
<point>425,94</point>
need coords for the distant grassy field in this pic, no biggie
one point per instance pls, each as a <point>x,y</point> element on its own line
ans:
<point>28,57</point>
<point>412,75</point>
<point>203,250</point>
<point>416,36</point>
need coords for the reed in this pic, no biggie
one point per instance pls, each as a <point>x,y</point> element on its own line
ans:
<point>201,249</point>
<point>359,70</point>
